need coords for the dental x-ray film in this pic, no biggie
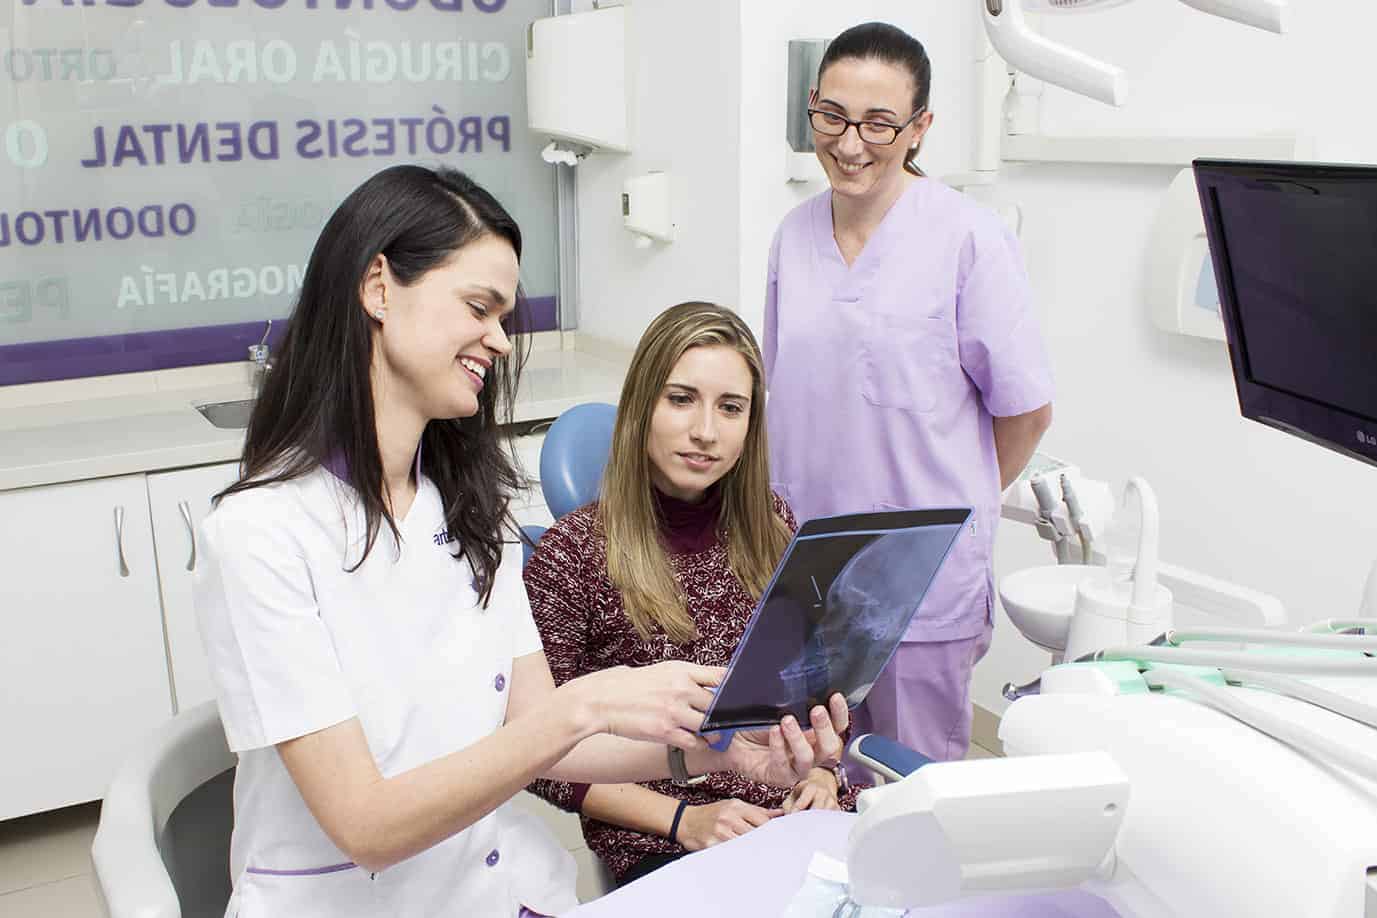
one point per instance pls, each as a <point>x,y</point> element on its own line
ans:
<point>839,603</point>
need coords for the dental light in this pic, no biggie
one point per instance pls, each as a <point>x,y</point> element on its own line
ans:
<point>1030,53</point>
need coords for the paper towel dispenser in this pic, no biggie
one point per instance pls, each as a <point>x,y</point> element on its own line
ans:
<point>577,79</point>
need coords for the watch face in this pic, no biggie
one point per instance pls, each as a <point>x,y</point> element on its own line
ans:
<point>678,771</point>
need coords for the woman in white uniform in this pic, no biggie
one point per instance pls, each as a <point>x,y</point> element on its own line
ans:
<point>377,668</point>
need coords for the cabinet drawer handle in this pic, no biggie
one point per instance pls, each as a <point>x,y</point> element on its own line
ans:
<point>119,540</point>
<point>190,533</point>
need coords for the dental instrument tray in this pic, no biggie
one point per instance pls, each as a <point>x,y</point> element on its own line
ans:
<point>840,601</point>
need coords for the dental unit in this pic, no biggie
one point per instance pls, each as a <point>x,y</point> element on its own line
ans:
<point>1165,768</point>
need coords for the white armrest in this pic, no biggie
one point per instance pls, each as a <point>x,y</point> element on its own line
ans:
<point>181,756</point>
<point>1231,602</point>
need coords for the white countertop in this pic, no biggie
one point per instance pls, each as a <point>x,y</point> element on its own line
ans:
<point>146,422</point>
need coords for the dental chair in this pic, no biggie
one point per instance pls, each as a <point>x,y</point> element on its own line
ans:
<point>572,458</point>
<point>162,847</point>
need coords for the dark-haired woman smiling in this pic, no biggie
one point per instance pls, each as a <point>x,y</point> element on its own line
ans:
<point>377,668</point>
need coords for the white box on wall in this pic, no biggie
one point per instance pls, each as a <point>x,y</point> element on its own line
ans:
<point>576,78</point>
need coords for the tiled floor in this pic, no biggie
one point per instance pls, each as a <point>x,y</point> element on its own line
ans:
<point>45,861</point>
<point>45,864</point>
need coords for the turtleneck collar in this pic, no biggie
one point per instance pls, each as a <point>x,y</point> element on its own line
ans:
<point>689,528</point>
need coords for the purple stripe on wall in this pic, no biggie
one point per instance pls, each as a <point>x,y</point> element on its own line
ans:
<point>544,311</point>
<point>42,361</point>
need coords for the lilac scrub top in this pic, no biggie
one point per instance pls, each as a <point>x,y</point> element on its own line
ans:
<point>883,377</point>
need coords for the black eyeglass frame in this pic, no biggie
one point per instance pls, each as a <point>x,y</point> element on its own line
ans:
<point>896,128</point>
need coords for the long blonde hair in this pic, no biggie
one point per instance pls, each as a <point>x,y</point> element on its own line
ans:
<point>637,563</point>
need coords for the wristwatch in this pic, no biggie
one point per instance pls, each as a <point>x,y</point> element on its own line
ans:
<point>839,772</point>
<point>678,769</point>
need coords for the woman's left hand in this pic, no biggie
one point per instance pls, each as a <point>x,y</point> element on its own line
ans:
<point>785,754</point>
<point>818,791</point>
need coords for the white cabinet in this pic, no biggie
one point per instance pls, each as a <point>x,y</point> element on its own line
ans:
<point>83,671</point>
<point>101,643</point>
<point>179,500</point>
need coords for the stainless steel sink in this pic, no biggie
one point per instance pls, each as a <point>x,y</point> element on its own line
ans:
<point>228,415</point>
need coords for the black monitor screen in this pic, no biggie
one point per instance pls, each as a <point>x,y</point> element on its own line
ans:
<point>1303,260</point>
<point>1294,251</point>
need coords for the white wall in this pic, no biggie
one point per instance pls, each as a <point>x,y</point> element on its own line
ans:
<point>686,83</point>
<point>1238,501</point>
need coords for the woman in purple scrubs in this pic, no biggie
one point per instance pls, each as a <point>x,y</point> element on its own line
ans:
<point>904,364</point>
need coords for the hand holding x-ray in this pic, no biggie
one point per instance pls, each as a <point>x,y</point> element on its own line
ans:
<point>787,752</point>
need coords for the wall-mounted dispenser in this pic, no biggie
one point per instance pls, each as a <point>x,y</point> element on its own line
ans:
<point>577,82</point>
<point>801,163</point>
<point>646,208</point>
<point>1181,291</point>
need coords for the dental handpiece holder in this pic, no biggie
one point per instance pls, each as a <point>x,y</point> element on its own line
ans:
<point>1113,610</point>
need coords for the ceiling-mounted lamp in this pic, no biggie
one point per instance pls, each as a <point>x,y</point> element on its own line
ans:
<point>1039,57</point>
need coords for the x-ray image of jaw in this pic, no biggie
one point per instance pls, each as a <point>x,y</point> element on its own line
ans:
<point>838,606</point>
<point>864,615</point>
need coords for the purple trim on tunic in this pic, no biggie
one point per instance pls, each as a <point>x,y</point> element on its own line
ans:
<point>306,872</point>
<point>102,355</point>
<point>334,464</point>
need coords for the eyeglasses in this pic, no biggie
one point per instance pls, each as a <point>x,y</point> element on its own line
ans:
<point>877,133</point>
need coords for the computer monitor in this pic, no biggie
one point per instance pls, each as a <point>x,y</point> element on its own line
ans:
<point>1294,248</point>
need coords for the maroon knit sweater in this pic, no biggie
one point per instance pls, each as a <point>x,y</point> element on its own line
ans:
<point>584,629</point>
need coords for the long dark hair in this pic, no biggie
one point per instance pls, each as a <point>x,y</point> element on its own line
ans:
<point>316,406</point>
<point>892,45</point>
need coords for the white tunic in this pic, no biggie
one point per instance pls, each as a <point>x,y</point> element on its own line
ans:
<point>297,643</point>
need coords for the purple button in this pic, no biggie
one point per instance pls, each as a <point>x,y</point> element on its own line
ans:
<point>500,682</point>
<point>492,858</point>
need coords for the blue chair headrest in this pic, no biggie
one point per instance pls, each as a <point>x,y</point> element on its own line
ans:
<point>573,456</point>
<point>530,535</point>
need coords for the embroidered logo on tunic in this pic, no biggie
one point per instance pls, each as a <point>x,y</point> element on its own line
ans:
<point>443,537</point>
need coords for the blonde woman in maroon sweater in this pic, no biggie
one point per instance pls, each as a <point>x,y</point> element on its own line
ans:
<point>695,533</point>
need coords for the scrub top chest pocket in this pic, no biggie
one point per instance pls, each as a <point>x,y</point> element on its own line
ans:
<point>905,358</point>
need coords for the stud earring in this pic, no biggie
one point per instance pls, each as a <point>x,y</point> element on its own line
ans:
<point>378,314</point>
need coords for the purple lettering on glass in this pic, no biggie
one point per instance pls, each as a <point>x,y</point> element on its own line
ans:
<point>127,147</point>
<point>36,235</point>
<point>128,223</point>
<point>157,131</point>
<point>230,140</point>
<point>187,143</point>
<point>57,218</point>
<point>262,139</point>
<point>355,131</point>
<point>439,132</point>
<point>411,124</point>
<point>386,134</point>
<point>150,215</point>
<point>500,129</point>
<point>188,221</point>
<point>91,225</point>
<point>310,133</point>
<point>471,131</point>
